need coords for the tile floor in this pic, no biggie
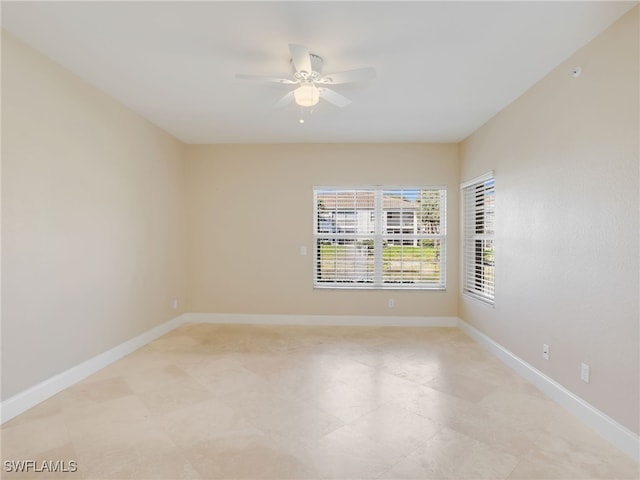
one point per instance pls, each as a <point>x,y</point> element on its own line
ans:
<point>285,402</point>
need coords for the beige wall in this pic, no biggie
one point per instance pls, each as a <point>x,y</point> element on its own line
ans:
<point>91,221</point>
<point>250,210</point>
<point>566,163</point>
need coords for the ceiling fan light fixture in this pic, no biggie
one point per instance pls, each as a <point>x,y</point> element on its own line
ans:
<point>307,95</point>
<point>310,83</point>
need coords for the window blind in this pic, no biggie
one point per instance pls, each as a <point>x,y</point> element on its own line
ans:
<point>479,238</point>
<point>387,237</point>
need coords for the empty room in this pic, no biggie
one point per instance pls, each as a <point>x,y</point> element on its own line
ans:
<point>320,240</point>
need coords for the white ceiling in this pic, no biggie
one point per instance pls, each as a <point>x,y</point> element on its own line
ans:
<point>443,68</point>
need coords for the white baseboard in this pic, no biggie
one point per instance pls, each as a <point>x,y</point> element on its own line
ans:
<point>29,398</point>
<point>321,320</point>
<point>617,434</point>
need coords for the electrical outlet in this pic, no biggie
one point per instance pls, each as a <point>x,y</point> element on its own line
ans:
<point>585,373</point>
<point>303,250</point>
<point>391,303</point>
<point>545,351</point>
<point>175,303</point>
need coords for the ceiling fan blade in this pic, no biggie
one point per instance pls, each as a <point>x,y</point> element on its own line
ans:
<point>284,101</point>
<point>348,76</point>
<point>300,57</point>
<point>285,81</point>
<point>333,97</point>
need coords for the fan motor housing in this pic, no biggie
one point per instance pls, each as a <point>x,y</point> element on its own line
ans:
<point>316,68</point>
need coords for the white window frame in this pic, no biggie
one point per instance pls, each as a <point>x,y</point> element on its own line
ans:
<point>379,236</point>
<point>478,273</point>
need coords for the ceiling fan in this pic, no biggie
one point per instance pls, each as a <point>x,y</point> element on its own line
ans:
<point>311,83</point>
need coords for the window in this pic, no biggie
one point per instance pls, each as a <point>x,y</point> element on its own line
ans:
<point>478,238</point>
<point>383,237</point>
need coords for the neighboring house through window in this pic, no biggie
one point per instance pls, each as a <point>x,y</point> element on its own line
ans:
<point>478,198</point>
<point>380,237</point>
